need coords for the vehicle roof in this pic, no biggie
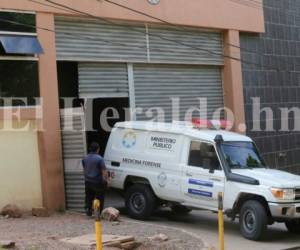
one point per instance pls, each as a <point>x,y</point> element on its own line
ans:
<point>183,128</point>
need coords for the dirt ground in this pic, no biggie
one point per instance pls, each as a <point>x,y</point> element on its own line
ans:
<point>33,233</point>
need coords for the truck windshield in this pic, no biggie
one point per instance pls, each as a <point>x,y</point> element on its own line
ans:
<point>241,155</point>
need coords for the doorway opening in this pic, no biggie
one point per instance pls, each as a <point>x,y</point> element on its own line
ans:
<point>87,115</point>
<point>68,81</point>
<point>103,116</point>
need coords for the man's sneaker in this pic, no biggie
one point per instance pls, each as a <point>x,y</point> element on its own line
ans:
<point>89,212</point>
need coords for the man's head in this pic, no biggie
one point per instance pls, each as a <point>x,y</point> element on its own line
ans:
<point>94,147</point>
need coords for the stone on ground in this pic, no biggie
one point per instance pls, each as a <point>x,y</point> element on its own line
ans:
<point>6,244</point>
<point>12,211</point>
<point>40,212</point>
<point>116,241</point>
<point>159,237</point>
<point>110,214</point>
<point>130,245</point>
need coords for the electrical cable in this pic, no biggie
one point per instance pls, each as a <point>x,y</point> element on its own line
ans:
<point>122,44</point>
<point>92,38</point>
<point>259,5</point>
<point>183,28</point>
<point>132,28</point>
<point>85,38</point>
<point>179,28</point>
<point>248,4</point>
<point>79,36</point>
<point>163,38</point>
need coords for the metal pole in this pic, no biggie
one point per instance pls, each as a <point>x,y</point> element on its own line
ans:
<point>98,226</point>
<point>221,222</point>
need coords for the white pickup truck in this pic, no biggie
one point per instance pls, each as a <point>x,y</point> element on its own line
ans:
<point>184,167</point>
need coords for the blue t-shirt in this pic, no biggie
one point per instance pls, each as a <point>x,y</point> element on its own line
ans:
<point>93,165</point>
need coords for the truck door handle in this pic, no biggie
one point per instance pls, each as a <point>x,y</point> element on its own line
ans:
<point>115,164</point>
<point>215,179</point>
<point>188,174</point>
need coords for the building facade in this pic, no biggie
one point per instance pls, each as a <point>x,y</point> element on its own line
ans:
<point>117,58</point>
<point>275,80</point>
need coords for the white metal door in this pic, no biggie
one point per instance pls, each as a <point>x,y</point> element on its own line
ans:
<point>201,187</point>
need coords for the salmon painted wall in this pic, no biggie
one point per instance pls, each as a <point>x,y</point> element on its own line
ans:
<point>219,14</point>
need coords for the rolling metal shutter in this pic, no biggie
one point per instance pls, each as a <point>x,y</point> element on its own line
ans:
<point>74,149</point>
<point>88,40</point>
<point>163,67</point>
<point>103,80</point>
<point>83,39</point>
<point>156,84</point>
<point>185,46</point>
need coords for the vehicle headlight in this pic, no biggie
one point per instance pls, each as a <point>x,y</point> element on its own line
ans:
<point>283,193</point>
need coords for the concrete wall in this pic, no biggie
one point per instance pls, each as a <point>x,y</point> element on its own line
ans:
<point>20,178</point>
<point>278,48</point>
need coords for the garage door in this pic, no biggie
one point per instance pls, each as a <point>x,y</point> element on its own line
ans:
<point>74,149</point>
<point>156,85</point>
<point>103,80</point>
<point>88,40</point>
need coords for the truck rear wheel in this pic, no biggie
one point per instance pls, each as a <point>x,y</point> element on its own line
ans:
<point>140,201</point>
<point>293,226</point>
<point>253,220</point>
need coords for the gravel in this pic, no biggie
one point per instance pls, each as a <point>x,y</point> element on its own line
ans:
<point>32,233</point>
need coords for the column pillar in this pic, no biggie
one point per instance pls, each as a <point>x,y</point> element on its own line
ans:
<point>49,139</point>
<point>233,80</point>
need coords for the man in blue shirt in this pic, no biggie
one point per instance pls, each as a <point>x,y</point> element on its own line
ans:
<point>96,177</point>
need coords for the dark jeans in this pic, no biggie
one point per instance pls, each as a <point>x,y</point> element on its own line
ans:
<point>94,191</point>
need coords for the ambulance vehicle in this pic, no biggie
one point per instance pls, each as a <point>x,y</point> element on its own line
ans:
<point>185,167</point>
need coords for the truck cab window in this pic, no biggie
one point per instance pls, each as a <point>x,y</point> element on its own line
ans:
<point>242,155</point>
<point>203,155</point>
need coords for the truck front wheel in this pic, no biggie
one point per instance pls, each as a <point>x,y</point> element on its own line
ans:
<point>140,201</point>
<point>253,220</point>
<point>293,226</point>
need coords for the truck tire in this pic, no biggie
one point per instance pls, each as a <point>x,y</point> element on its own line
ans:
<point>253,220</point>
<point>180,210</point>
<point>140,201</point>
<point>293,226</point>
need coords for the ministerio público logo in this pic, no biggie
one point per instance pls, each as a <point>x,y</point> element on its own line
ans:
<point>129,139</point>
